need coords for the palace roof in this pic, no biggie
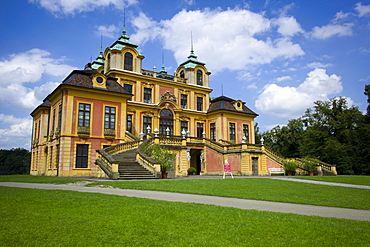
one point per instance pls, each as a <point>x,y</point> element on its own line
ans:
<point>82,78</point>
<point>227,104</point>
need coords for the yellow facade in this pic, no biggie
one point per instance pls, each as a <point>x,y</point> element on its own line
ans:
<point>115,101</point>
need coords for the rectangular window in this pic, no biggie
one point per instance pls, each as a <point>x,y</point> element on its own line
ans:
<point>246,132</point>
<point>184,126</point>
<point>147,95</point>
<point>129,123</point>
<point>199,104</point>
<point>82,155</point>
<point>232,131</point>
<point>35,132</point>
<point>51,158</point>
<point>110,117</point>
<point>147,121</point>
<point>184,101</point>
<point>60,116</point>
<point>53,124</point>
<point>200,130</point>
<point>57,157</point>
<point>128,88</point>
<point>212,131</point>
<point>84,115</point>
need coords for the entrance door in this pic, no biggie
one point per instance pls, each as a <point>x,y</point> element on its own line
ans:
<point>195,159</point>
<point>254,166</point>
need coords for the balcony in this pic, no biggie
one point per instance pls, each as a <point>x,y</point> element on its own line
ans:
<point>163,76</point>
<point>109,133</point>
<point>83,131</point>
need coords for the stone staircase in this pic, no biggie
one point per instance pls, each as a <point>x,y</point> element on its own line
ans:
<point>129,168</point>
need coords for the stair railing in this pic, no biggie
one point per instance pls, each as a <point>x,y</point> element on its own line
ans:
<point>122,147</point>
<point>107,164</point>
<point>148,163</point>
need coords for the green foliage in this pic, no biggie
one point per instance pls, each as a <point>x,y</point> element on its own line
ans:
<point>192,170</point>
<point>286,140</point>
<point>290,165</point>
<point>310,164</point>
<point>15,161</point>
<point>257,134</point>
<point>160,154</point>
<point>66,218</point>
<point>331,132</point>
<point>367,93</point>
<point>257,189</point>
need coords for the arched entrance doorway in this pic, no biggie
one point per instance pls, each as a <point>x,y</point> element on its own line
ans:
<point>166,122</point>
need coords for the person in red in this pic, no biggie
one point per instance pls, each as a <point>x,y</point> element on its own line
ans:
<point>227,169</point>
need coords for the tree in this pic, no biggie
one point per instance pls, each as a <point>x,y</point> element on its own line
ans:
<point>367,93</point>
<point>330,131</point>
<point>257,134</point>
<point>160,154</point>
<point>15,161</point>
<point>286,140</point>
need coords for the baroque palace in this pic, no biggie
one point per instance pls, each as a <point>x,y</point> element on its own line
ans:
<point>94,122</point>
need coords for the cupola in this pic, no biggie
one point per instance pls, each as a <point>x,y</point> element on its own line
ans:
<point>123,55</point>
<point>194,70</point>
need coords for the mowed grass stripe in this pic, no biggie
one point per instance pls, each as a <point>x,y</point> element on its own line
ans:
<point>30,217</point>
<point>257,189</point>
<point>346,179</point>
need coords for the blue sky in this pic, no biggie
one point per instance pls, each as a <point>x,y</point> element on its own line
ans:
<point>277,56</point>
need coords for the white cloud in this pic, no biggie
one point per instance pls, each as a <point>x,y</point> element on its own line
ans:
<point>14,131</point>
<point>340,15</point>
<point>288,26</point>
<point>283,78</point>
<point>72,7</point>
<point>110,31</point>
<point>29,67</point>
<point>365,79</point>
<point>291,102</point>
<point>331,30</point>
<point>315,65</point>
<point>190,2</point>
<point>226,39</point>
<point>252,86</point>
<point>146,29</point>
<point>363,10</point>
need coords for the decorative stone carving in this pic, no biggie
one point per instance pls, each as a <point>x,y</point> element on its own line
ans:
<point>148,113</point>
<point>184,118</point>
<point>168,96</point>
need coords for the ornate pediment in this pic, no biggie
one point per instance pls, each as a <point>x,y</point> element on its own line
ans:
<point>184,118</point>
<point>168,96</point>
<point>148,113</point>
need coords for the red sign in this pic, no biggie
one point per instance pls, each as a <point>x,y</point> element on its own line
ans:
<point>227,167</point>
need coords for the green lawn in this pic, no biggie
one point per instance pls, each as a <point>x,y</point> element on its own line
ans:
<point>258,189</point>
<point>30,217</point>
<point>346,179</point>
<point>38,179</point>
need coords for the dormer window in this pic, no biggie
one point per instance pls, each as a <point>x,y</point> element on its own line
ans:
<point>238,105</point>
<point>128,61</point>
<point>182,74</point>
<point>199,77</point>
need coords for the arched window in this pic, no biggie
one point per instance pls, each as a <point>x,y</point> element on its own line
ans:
<point>128,61</point>
<point>199,77</point>
<point>182,74</point>
<point>166,121</point>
